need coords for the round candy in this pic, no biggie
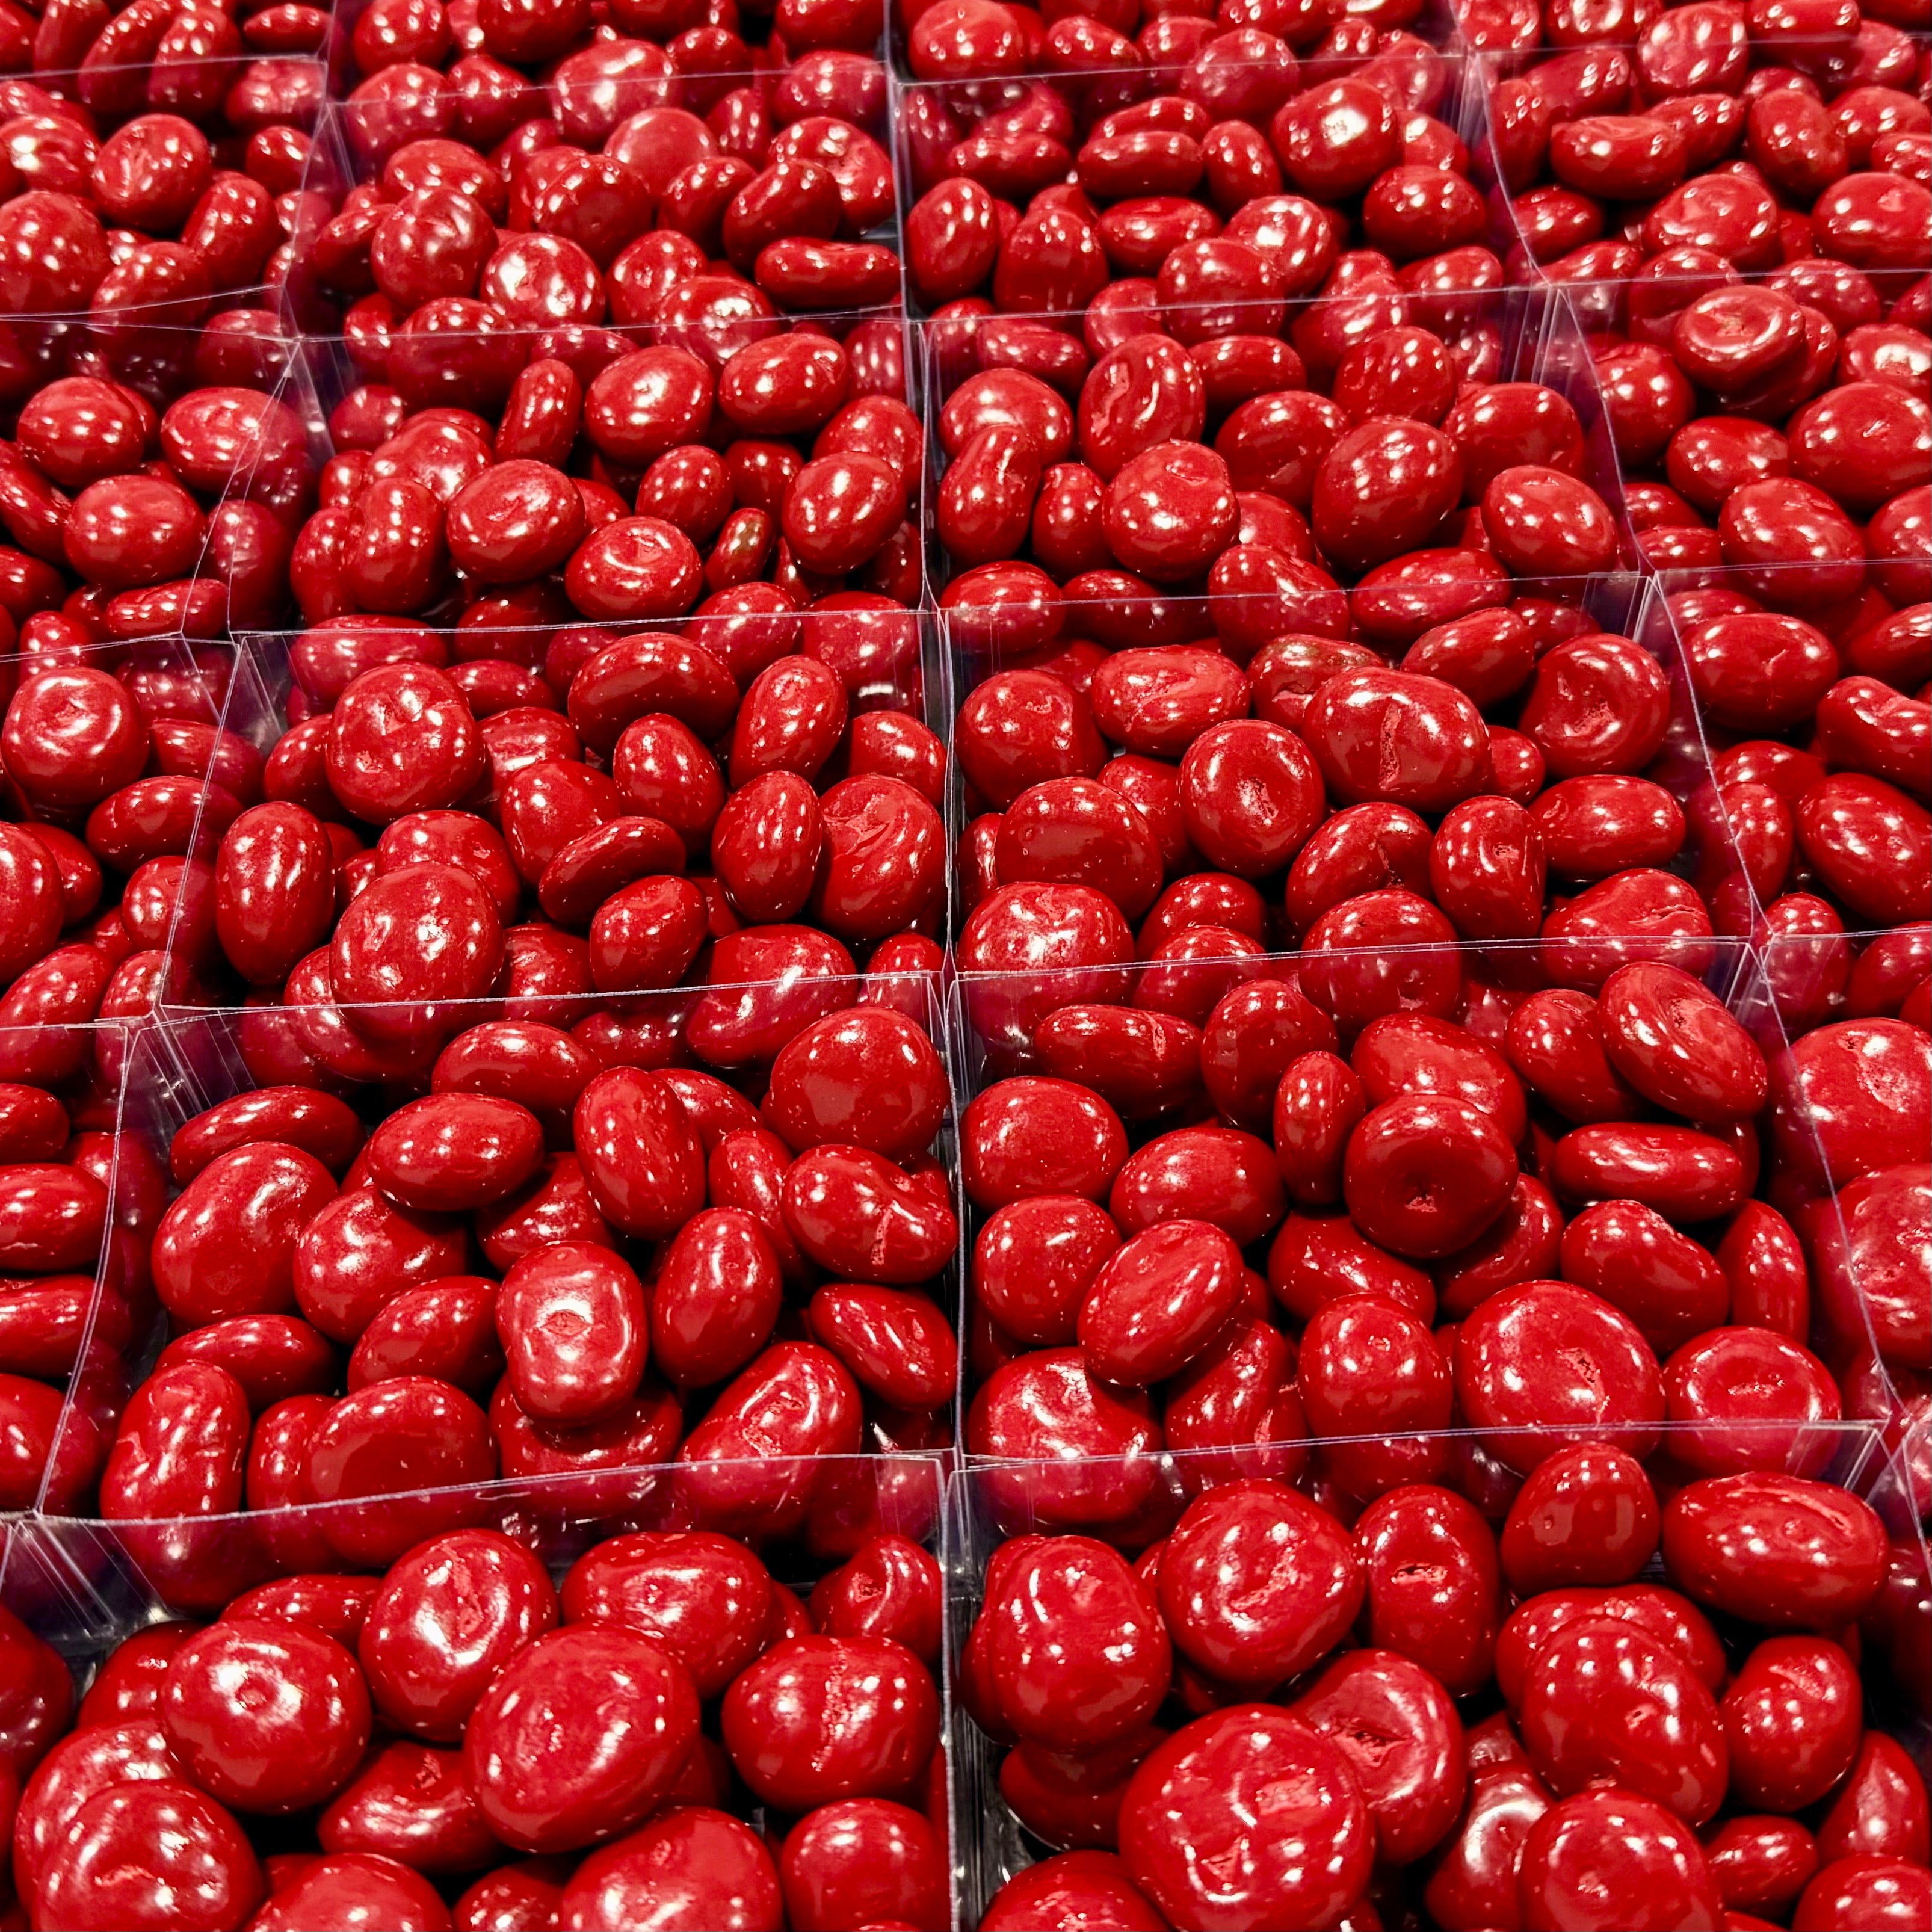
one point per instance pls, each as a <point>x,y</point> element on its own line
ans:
<point>1251,1815</point>
<point>629,1712</point>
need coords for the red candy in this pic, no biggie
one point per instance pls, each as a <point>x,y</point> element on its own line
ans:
<point>459,1644</point>
<point>1375,1116</point>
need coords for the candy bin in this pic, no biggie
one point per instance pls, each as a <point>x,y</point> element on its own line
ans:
<point>1760,324</point>
<point>541,1245</point>
<point>1392,546</point>
<point>149,506</point>
<point>1166,804</point>
<point>516,483</point>
<point>652,769</point>
<point>546,1712</point>
<point>162,169</point>
<point>655,175</point>
<point>1449,1706</point>
<point>1714,142</point>
<point>1845,1003</point>
<point>1311,1264</point>
<point>1820,765</point>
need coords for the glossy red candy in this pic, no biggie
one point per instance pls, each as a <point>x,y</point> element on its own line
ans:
<point>692,1864</point>
<point>1596,1688</point>
<point>1072,1884</point>
<point>1425,1175</point>
<point>820,1719</point>
<point>1154,1305</point>
<point>1297,1848</point>
<point>153,1851</point>
<point>1518,1370</point>
<point>572,1321</point>
<point>1609,1857</point>
<point>1793,1721</point>
<point>853,1862</point>
<point>702,1598</point>
<point>1828,1548</point>
<point>452,1153</point>
<point>1398,1730</point>
<point>267,1716</point>
<point>1586,1515</point>
<point>1058,1700</point>
<point>354,1885</point>
<point>1863,1891</point>
<point>450,1614</point>
<point>1880,1808</point>
<point>633,1708</point>
<point>1256,1582</point>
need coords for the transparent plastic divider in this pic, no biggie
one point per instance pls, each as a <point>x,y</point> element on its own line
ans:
<point>1488,69</point>
<point>988,1504</point>
<point>980,642</point>
<point>906,670</point>
<point>1807,590</point>
<point>1603,304</point>
<point>998,1013</point>
<point>93,1583</point>
<point>198,674</point>
<point>80,1062</point>
<point>1807,974</point>
<point>313,310</point>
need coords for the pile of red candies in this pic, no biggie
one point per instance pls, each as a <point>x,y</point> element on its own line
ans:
<point>556,1261</point>
<point>1446,1258</point>
<point>1435,553</point>
<point>464,1740</point>
<point>1190,409</point>
<point>134,519</point>
<point>1170,804</point>
<point>157,165</point>
<point>140,524</point>
<point>1754,188</point>
<point>501,493</point>
<point>1255,1722</point>
<point>627,814</point>
<point>1764,135</point>
<point>111,771</point>
<point>621,154</point>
